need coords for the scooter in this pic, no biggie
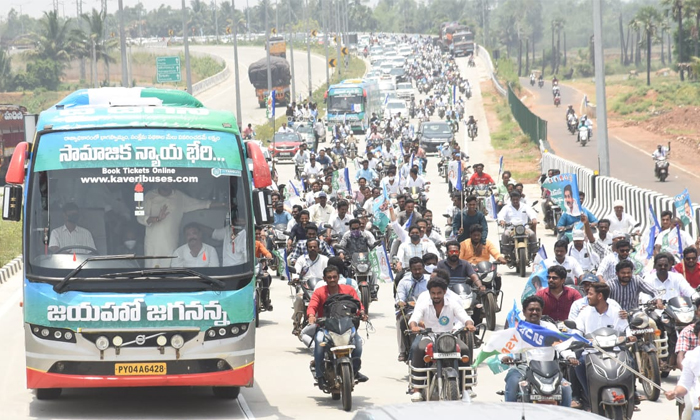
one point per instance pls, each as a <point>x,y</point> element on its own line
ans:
<point>471,131</point>
<point>661,168</point>
<point>610,386</point>
<point>489,299</point>
<point>583,135</point>
<point>557,100</point>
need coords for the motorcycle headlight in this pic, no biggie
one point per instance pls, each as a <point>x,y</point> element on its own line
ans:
<point>545,387</point>
<point>446,344</point>
<point>362,267</point>
<point>341,339</point>
<point>467,300</point>
<point>685,317</point>
<point>520,230</point>
<point>606,341</point>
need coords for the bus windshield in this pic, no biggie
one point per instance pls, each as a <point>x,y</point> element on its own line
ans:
<point>178,194</point>
<point>345,102</point>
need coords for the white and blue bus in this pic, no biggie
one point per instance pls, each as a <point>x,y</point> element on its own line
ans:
<point>353,101</point>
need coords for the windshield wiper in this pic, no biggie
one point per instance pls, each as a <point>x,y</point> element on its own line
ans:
<point>58,288</point>
<point>166,271</point>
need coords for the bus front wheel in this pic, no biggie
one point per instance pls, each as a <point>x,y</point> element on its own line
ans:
<point>226,392</point>
<point>48,393</point>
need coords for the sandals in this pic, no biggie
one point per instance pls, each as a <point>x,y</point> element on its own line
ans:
<point>403,357</point>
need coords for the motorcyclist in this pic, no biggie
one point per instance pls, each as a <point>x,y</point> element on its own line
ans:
<point>533,307</point>
<point>480,177</point>
<point>438,314</point>
<point>555,91</point>
<point>323,159</point>
<point>354,241</point>
<point>408,289</point>
<point>315,310</point>
<point>302,156</point>
<point>517,214</point>
<point>661,151</point>
<point>311,168</point>
<point>474,250</point>
<point>472,121</point>
<point>570,111</point>
<point>248,132</point>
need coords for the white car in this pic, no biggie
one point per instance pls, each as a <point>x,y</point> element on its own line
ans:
<point>405,90</point>
<point>395,106</point>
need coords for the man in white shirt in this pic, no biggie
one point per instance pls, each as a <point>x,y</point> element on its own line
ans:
<point>586,281</point>
<point>195,253</point>
<point>620,220</point>
<point>438,314</point>
<point>302,155</point>
<point>667,240</point>
<point>516,214</point>
<point>70,233</point>
<point>235,251</point>
<point>667,283</point>
<point>312,167</point>
<point>312,264</point>
<point>581,252</point>
<point>320,213</point>
<point>390,183</point>
<point>573,268</point>
<point>415,247</point>
<point>598,314</point>
<point>415,180</point>
<point>339,221</point>
<point>687,384</point>
<point>532,309</point>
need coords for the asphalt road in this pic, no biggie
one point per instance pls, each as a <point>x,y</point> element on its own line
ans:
<point>283,384</point>
<point>627,162</point>
<point>223,96</point>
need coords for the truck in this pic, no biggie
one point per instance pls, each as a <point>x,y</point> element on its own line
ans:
<point>278,46</point>
<point>456,37</point>
<point>281,77</point>
<point>11,133</point>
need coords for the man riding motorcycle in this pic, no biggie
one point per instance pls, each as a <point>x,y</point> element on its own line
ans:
<point>315,311</point>
<point>408,289</point>
<point>516,213</point>
<point>473,121</point>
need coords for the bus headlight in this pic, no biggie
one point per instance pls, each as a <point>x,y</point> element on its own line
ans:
<point>45,332</point>
<point>102,343</point>
<point>161,340</point>
<point>117,341</point>
<point>177,341</point>
<point>57,334</point>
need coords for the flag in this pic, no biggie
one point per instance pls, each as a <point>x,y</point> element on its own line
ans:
<point>381,219</point>
<point>515,315</point>
<point>270,103</point>
<point>286,265</point>
<point>292,194</point>
<point>452,172</point>
<point>379,263</point>
<point>493,208</point>
<point>542,253</point>
<point>684,207</point>
<point>341,181</point>
<point>537,281</point>
<point>500,166</point>
<point>459,185</point>
<point>454,94</point>
<point>523,337</point>
<point>408,222</point>
<point>644,251</point>
<point>680,241</point>
<point>386,99</point>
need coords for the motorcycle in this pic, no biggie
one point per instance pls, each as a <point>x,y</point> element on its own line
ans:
<point>571,124</point>
<point>644,349</point>
<point>298,170</point>
<point>532,81</point>
<point>610,386</point>
<point>471,62</point>
<point>471,131</point>
<point>557,100</point>
<point>583,135</point>
<point>445,379</point>
<point>279,237</point>
<point>260,291</point>
<point>661,168</point>
<point>360,270</point>
<point>519,254</point>
<point>678,314</point>
<point>483,195</point>
<point>337,360</point>
<point>441,112</point>
<point>468,92</point>
<point>304,289</point>
<point>418,195</point>
<point>489,299</point>
<point>540,83</point>
<point>542,383</point>
<point>552,214</point>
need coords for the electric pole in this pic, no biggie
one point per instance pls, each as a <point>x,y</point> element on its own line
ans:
<point>187,47</point>
<point>122,45</point>
<point>291,50</point>
<point>239,116</point>
<point>308,45</point>
<point>601,106</point>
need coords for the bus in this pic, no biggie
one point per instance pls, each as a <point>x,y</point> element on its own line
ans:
<point>138,208</point>
<point>353,101</point>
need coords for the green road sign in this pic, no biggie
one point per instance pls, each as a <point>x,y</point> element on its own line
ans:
<point>168,69</point>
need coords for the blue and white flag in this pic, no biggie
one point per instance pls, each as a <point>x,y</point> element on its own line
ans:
<point>515,315</point>
<point>493,208</point>
<point>460,185</point>
<point>542,253</point>
<point>500,166</point>
<point>386,99</point>
<point>454,94</point>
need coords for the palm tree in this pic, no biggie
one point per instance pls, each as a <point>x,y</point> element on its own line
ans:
<point>92,44</point>
<point>5,71</point>
<point>647,20</point>
<point>675,7</point>
<point>53,45</point>
<point>693,8</point>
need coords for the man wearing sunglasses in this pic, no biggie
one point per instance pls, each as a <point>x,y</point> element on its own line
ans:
<point>557,297</point>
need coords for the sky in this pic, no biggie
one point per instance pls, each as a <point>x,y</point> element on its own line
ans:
<point>36,8</point>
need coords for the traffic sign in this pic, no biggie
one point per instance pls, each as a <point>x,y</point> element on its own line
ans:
<point>168,69</point>
<point>344,50</point>
<point>335,39</point>
<point>273,31</point>
<point>332,62</point>
<point>171,32</point>
<point>228,29</point>
<point>314,32</point>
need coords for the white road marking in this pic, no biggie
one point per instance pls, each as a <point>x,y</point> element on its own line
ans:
<point>12,302</point>
<point>244,407</point>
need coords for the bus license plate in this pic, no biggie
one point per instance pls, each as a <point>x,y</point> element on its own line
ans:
<point>133,369</point>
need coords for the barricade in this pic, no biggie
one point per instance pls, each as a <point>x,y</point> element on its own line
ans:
<point>602,192</point>
<point>492,69</point>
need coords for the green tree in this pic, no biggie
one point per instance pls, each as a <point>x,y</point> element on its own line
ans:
<point>647,20</point>
<point>94,38</point>
<point>675,8</point>
<point>53,45</point>
<point>5,71</point>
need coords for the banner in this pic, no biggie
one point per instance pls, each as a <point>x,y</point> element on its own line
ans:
<point>564,192</point>
<point>341,181</point>
<point>524,337</point>
<point>536,282</point>
<point>281,264</point>
<point>292,194</point>
<point>684,207</point>
<point>644,251</point>
<point>270,104</point>
<point>379,209</point>
<point>379,262</point>
<point>452,172</point>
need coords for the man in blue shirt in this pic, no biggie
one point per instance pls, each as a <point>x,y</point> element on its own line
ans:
<point>281,215</point>
<point>408,290</point>
<point>366,173</point>
<point>566,221</point>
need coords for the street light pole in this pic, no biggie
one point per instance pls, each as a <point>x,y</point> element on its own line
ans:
<point>291,51</point>
<point>239,116</point>
<point>326,25</point>
<point>122,45</point>
<point>187,47</point>
<point>308,46</point>
<point>601,106</point>
<point>267,49</point>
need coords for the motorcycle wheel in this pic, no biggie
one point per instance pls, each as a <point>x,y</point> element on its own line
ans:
<point>450,390</point>
<point>662,177</point>
<point>616,412</point>
<point>346,390</point>
<point>257,307</point>
<point>665,374</point>
<point>522,262</point>
<point>471,344</point>
<point>490,311</point>
<point>650,369</point>
<point>365,296</point>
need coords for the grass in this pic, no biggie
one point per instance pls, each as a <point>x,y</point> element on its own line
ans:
<point>11,240</point>
<point>356,68</point>
<point>519,153</point>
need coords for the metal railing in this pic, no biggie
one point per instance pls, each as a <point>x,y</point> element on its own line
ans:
<point>532,125</point>
<point>492,70</point>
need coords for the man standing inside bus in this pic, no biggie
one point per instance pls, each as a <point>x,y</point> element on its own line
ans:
<point>195,253</point>
<point>164,209</point>
<point>70,233</point>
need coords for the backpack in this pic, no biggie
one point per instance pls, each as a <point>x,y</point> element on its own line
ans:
<point>340,306</point>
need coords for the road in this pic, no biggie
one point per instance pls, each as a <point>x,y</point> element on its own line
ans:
<point>283,385</point>
<point>627,162</point>
<point>223,96</point>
